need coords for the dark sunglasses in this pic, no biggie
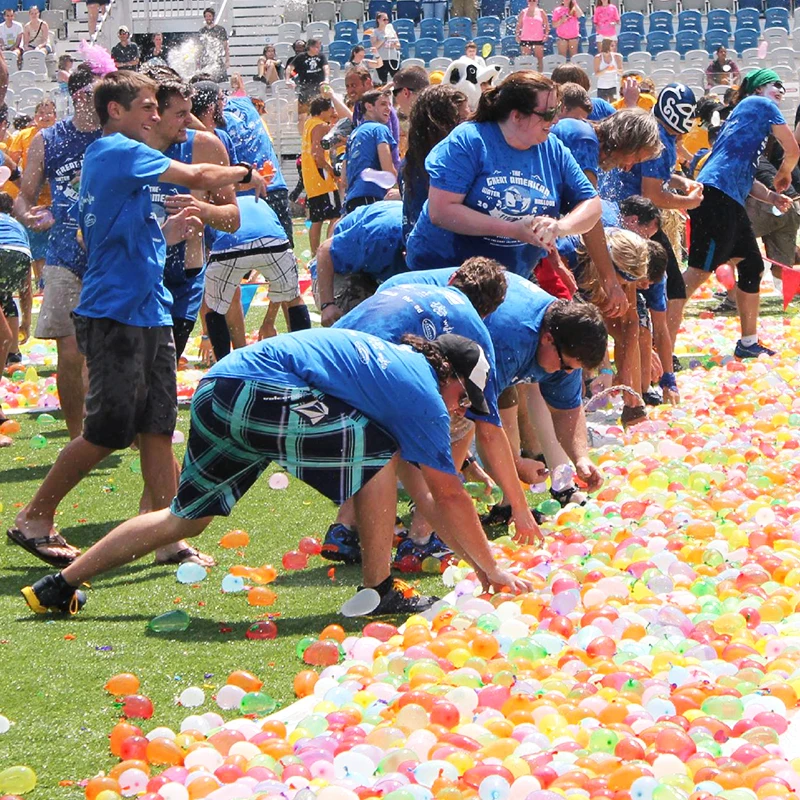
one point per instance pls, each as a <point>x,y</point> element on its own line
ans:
<point>779,85</point>
<point>548,116</point>
<point>464,401</point>
<point>565,367</point>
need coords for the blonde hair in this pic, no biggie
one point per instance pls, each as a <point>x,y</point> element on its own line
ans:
<point>629,254</point>
<point>630,130</point>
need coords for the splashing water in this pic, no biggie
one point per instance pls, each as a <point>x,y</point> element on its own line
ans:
<point>193,56</point>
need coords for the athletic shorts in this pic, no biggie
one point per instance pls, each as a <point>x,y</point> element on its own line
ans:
<point>721,231</point>
<point>181,331</point>
<point>278,201</point>
<point>642,312</point>
<point>273,258</point>
<point>15,266</point>
<point>676,286</point>
<point>460,427</point>
<point>324,207</point>
<point>132,385</point>
<point>38,241</point>
<point>357,202</point>
<point>238,427</point>
<point>62,292</point>
<point>655,297</point>
<point>530,43</point>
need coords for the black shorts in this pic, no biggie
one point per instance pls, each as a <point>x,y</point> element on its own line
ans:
<point>324,206</point>
<point>529,43</point>
<point>181,331</point>
<point>278,200</point>
<point>721,231</point>
<point>356,202</point>
<point>132,385</point>
<point>676,286</point>
<point>643,312</point>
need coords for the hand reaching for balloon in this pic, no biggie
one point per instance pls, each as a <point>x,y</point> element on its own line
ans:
<point>781,202</point>
<point>502,580</point>
<point>546,230</point>
<point>206,353</point>
<point>474,472</point>
<point>587,473</point>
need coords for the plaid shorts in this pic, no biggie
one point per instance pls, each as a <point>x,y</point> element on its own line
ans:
<point>240,426</point>
<point>273,258</point>
<point>278,201</point>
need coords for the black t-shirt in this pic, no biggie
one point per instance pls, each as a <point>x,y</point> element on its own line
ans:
<point>310,69</point>
<point>122,53</point>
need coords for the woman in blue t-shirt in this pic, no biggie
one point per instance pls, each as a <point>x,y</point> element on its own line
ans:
<point>498,184</point>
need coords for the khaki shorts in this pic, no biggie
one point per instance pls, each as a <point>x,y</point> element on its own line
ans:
<point>62,292</point>
<point>460,428</point>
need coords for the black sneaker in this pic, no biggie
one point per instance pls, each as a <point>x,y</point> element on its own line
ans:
<point>53,593</point>
<point>676,364</point>
<point>402,598</point>
<point>751,350</point>
<point>341,544</point>
<point>14,358</point>
<point>653,397</point>
<point>725,307</point>
<point>501,515</point>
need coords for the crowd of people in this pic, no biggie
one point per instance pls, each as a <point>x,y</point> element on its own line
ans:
<point>478,255</point>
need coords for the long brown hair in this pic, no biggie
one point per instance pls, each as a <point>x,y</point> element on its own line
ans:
<point>519,91</point>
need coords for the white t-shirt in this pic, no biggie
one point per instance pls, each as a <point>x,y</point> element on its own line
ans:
<point>9,34</point>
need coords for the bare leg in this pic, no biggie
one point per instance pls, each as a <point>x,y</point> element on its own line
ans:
<point>13,323</point>
<point>539,53</point>
<point>268,329</point>
<point>528,440</point>
<point>347,514</point>
<point>645,349</point>
<point>748,311</point>
<point>234,316</point>
<point>562,47</point>
<point>694,279</point>
<point>71,381</point>
<point>133,539</point>
<point>674,320</point>
<point>6,340</point>
<point>94,11</point>
<point>314,236</point>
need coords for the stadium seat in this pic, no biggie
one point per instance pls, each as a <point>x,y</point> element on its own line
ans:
<point>628,42</point>
<point>686,41</point>
<point>585,61</point>
<point>318,30</point>
<point>744,38</point>
<point>729,5</point>
<point>489,26</point>
<point>715,39</point>
<point>754,4</point>
<point>632,22</point>
<point>777,37</point>
<point>405,30</point>
<point>748,18</point>
<point>668,59</point>
<point>690,21</point>
<point>453,47</point>
<point>409,9</point>
<point>323,11</point>
<point>41,4</point>
<point>778,4</point>
<point>657,42</point>
<point>379,7</point>
<point>549,63</point>
<point>493,8</point>
<point>516,6</point>
<point>509,47</point>
<point>666,5</point>
<point>12,4</point>
<point>431,29</point>
<point>693,76</point>
<point>694,5</point>
<point>426,49</point>
<point>499,61</point>
<point>696,58</point>
<point>289,31</point>
<point>661,21</point>
<point>412,62</point>
<point>492,41</point>
<point>460,26</point>
<point>405,49</point>
<point>641,60</point>
<point>636,5</point>
<point>369,24</point>
<point>351,10</point>
<point>661,77</point>
<point>510,25</point>
<point>339,51</point>
<point>718,19</point>
<point>346,31</point>
<point>440,63</point>
<point>777,18</point>
<point>778,56</point>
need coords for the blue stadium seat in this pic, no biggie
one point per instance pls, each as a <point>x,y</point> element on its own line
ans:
<point>509,47</point>
<point>460,26</point>
<point>346,31</point>
<point>489,26</point>
<point>510,25</point>
<point>584,34</point>
<point>719,19</point>
<point>632,22</point>
<point>591,44</point>
<point>777,18</point>
<point>715,39</point>
<point>690,20</point>
<point>26,4</point>
<point>661,21</point>
<point>748,18</point>
<point>379,6</point>
<point>778,4</point>
<point>744,38</point>
<point>339,51</point>
<point>686,41</point>
<point>369,24</point>
<point>432,29</point>
<point>492,41</point>
<point>409,9</point>
<point>406,50</point>
<point>756,4</point>
<point>517,5</point>
<point>12,4</point>
<point>658,42</point>
<point>493,8</point>
<point>453,47</point>
<point>405,30</point>
<point>426,49</point>
<point>628,42</point>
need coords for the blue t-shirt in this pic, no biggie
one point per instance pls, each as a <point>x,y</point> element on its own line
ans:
<point>361,154</point>
<point>579,138</point>
<point>427,311</point>
<point>415,193</point>
<point>257,220</point>
<point>125,249</point>
<point>514,328</point>
<point>64,146</point>
<point>391,385</point>
<point>228,144</point>
<point>370,239</point>
<point>186,289</point>
<point>731,167</point>
<point>13,235</point>
<point>250,138</point>
<point>495,179</point>
<point>655,296</point>
<point>601,109</point>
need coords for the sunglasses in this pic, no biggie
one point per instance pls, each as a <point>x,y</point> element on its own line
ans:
<point>549,115</point>
<point>564,366</point>
<point>779,85</point>
<point>464,401</point>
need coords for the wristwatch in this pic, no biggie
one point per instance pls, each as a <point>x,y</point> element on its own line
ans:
<point>249,167</point>
<point>325,305</point>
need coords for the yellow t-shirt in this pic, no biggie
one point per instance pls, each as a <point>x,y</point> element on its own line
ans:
<point>316,181</point>
<point>646,101</point>
<point>696,139</point>
<point>18,150</point>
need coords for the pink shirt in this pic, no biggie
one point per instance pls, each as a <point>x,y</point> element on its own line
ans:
<point>567,29</point>
<point>532,26</point>
<point>606,19</point>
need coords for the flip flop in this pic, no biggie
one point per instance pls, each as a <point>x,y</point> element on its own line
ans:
<point>32,545</point>
<point>183,556</point>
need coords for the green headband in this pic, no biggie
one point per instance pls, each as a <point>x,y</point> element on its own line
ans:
<point>761,77</point>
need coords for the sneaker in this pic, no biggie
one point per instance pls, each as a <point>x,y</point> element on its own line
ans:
<point>402,598</point>
<point>14,358</point>
<point>751,351</point>
<point>341,544</point>
<point>676,364</point>
<point>572,494</point>
<point>433,547</point>
<point>501,515</point>
<point>52,593</point>
<point>653,397</point>
<point>720,295</point>
<point>725,307</point>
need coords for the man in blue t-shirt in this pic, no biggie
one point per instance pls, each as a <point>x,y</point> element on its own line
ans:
<point>123,322</point>
<point>366,248</point>
<point>56,156</point>
<point>369,147</point>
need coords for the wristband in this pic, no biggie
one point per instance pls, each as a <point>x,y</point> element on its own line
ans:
<point>204,338</point>
<point>325,305</point>
<point>606,371</point>
<point>470,459</point>
<point>667,381</point>
<point>249,167</point>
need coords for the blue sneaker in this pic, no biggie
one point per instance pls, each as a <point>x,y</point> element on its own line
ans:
<point>752,350</point>
<point>341,544</point>
<point>53,594</point>
<point>433,547</point>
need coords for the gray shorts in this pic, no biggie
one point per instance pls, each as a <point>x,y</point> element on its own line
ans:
<point>349,289</point>
<point>460,427</point>
<point>132,384</point>
<point>62,291</point>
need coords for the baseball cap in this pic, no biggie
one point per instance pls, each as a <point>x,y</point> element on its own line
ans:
<point>471,365</point>
<point>123,29</point>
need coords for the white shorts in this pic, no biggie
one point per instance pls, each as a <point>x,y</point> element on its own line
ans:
<point>274,260</point>
<point>62,292</point>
